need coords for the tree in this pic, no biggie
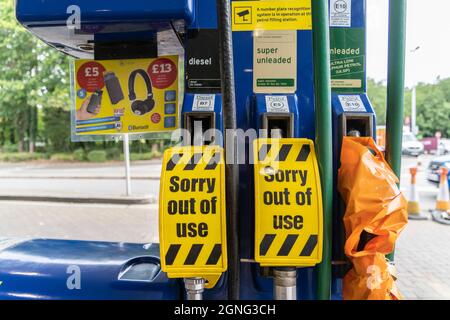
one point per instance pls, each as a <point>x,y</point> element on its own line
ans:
<point>31,75</point>
<point>433,108</point>
<point>58,135</point>
<point>377,94</point>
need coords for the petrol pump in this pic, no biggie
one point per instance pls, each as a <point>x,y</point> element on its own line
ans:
<point>250,220</point>
<point>274,69</point>
<point>353,114</point>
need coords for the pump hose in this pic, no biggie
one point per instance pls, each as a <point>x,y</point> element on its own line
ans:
<point>229,124</point>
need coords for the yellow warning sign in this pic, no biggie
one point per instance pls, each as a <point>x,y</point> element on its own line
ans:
<point>192,227</point>
<point>271,15</point>
<point>288,203</point>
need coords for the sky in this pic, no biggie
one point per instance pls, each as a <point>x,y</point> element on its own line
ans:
<point>428,26</point>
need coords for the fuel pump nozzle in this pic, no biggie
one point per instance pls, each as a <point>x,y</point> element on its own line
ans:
<point>276,133</point>
<point>354,133</point>
<point>285,283</point>
<point>194,288</point>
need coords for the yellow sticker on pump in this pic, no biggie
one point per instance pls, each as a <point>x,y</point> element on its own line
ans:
<point>192,225</point>
<point>271,15</point>
<point>288,203</point>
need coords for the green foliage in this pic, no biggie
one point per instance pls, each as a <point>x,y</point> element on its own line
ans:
<point>57,129</point>
<point>113,153</point>
<point>10,148</point>
<point>34,79</point>
<point>377,94</point>
<point>156,154</point>
<point>21,156</point>
<point>432,105</point>
<point>79,155</point>
<point>97,156</point>
<point>433,108</point>
<point>62,157</point>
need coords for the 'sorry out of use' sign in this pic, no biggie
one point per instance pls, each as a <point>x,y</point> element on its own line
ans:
<point>288,203</point>
<point>192,225</point>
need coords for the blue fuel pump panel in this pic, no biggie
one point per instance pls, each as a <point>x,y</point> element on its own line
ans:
<point>272,63</point>
<point>75,27</point>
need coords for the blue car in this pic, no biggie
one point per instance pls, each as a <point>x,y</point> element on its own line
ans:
<point>434,167</point>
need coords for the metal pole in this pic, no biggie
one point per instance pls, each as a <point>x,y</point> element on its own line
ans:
<point>413,111</point>
<point>414,128</point>
<point>395,86</point>
<point>285,284</point>
<point>126,156</point>
<point>194,288</point>
<point>230,125</point>
<point>322,79</point>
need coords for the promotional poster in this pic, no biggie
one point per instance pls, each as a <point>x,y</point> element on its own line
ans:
<point>126,96</point>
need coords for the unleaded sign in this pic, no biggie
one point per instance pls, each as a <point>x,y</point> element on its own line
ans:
<point>288,203</point>
<point>192,227</point>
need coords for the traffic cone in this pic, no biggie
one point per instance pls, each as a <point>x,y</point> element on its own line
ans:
<point>443,199</point>
<point>441,213</point>
<point>413,200</point>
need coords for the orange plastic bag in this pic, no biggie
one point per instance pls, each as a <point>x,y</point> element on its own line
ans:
<point>375,209</point>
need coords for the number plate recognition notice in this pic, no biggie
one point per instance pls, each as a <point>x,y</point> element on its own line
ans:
<point>288,203</point>
<point>192,223</point>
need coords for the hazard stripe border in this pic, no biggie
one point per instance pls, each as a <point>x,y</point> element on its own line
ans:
<point>281,261</point>
<point>194,270</point>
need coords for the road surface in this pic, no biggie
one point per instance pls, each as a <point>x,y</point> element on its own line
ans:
<point>79,179</point>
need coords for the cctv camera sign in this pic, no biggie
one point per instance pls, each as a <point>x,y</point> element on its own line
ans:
<point>125,96</point>
<point>271,15</point>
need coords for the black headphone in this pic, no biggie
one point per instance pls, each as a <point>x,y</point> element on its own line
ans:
<point>140,107</point>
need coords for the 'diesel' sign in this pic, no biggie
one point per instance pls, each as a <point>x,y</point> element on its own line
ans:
<point>288,203</point>
<point>192,224</point>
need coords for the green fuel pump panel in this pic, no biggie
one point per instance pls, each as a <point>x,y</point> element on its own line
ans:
<point>281,78</point>
<point>353,113</point>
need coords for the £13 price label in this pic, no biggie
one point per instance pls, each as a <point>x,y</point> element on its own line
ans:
<point>163,72</point>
